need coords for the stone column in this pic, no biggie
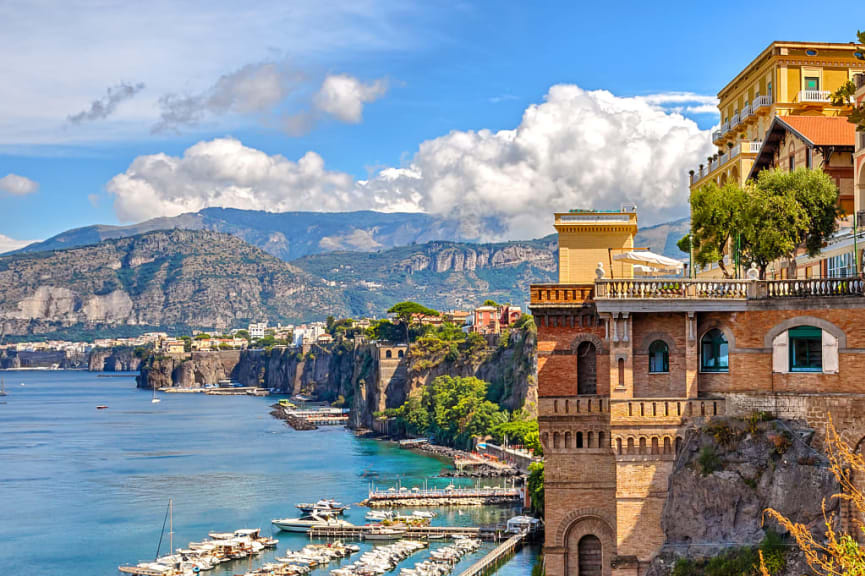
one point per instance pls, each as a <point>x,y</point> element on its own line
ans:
<point>691,356</point>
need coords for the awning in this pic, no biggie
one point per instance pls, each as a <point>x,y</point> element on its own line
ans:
<point>651,260</point>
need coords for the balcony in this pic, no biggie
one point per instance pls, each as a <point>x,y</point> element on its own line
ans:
<point>760,102</point>
<point>746,112</point>
<point>813,96</point>
<point>558,294</point>
<point>717,135</point>
<point>743,147</point>
<point>685,289</point>
<point>734,121</point>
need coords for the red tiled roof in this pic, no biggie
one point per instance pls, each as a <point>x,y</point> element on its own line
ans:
<point>822,130</point>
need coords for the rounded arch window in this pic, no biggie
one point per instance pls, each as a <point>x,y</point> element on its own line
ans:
<point>714,352</point>
<point>659,357</point>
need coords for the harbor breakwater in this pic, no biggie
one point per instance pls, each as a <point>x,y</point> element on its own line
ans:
<point>367,377</point>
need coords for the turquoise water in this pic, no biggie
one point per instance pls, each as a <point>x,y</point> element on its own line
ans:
<point>84,490</point>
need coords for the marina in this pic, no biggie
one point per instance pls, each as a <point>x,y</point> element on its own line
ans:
<point>226,464</point>
<point>448,496</point>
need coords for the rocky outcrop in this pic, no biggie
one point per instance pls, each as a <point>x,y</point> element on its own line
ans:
<point>356,373</point>
<point>728,473</point>
<point>117,359</point>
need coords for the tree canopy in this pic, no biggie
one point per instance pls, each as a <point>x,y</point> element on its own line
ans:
<point>406,312</point>
<point>772,217</point>
<point>844,95</point>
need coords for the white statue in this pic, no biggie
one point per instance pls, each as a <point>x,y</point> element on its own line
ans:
<point>753,273</point>
<point>599,271</point>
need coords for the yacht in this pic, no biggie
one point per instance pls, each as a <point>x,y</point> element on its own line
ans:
<point>304,523</point>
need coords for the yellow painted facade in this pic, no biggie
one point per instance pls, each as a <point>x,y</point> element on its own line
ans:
<point>590,237</point>
<point>787,78</point>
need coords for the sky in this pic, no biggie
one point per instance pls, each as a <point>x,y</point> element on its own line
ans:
<point>494,114</point>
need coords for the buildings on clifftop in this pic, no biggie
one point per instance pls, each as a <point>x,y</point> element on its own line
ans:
<point>777,113</point>
<point>625,364</point>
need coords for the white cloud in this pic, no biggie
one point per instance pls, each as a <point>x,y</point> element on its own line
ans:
<point>18,185</point>
<point>577,149</point>
<point>224,172</point>
<point>343,96</point>
<point>8,244</point>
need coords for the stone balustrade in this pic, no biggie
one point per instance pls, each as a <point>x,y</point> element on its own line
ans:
<point>585,405</point>
<point>663,411</point>
<point>651,289</point>
<point>561,293</point>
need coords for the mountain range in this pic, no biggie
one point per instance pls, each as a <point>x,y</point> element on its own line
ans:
<point>231,268</point>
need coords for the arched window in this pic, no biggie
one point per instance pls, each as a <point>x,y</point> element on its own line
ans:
<point>400,354</point>
<point>714,356</point>
<point>806,349</point>
<point>388,354</point>
<point>659,357</point>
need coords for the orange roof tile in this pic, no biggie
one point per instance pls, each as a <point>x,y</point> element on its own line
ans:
<point>822,130</point>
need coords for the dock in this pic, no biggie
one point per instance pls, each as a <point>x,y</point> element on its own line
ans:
<point>494,557</point>
<point>310,419</point>
<point>446,497</point>
<point>417,532</point>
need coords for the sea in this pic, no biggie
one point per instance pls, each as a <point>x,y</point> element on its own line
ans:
<point>84,490</point>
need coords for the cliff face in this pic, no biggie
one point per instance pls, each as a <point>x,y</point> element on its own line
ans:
<point>358,372</point>
<point>118,359</point>
<point>728,473</point>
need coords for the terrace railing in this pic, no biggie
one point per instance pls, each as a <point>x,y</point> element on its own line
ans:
<point>667,289</point>
<point>808,288</point>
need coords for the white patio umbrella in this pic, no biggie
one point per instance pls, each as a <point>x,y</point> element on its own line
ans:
<point>651,260</point>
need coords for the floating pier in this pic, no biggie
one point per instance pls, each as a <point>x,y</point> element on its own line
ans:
<point>306,419</point>
<point>490,562</point>
<point>446,497</point>
<point>411,532</point>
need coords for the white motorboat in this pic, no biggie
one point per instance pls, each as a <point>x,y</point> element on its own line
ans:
<point>384,534</point>
<point>379,515</point>
<point>304,523</point>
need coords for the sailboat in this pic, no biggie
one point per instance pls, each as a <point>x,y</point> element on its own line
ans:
<point>2,387</point>
<point>155,400</point>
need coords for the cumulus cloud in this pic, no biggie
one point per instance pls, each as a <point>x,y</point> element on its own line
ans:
<point>18,185</point>
<point>224,172</point>
<point>577,149</point>
<point>254,88</point>
<point>343,96</point>
<point>8,244</point>
<point>105,106</point>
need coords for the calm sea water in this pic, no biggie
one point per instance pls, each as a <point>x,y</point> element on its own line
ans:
<point>84,490</point>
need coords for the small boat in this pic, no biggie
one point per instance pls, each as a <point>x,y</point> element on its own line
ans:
<point>304,523</point>
<point>101,407</point>
<point>384,534</point>
<point>379,515</point>
<point>324,507</point>
<point>154,400</point>
<point>2,387</point>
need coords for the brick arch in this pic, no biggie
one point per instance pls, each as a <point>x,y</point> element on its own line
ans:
<point>727,331</point>
<point>777,329</point>
<point>652,336</point>
<point>599,344</point>
<point>582,525</point>
<point>575,517</point>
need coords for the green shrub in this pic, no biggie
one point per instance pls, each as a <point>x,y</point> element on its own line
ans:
<point>723,434</point>
<point>708,460</point>
<point>774,553</point>
<point>684,567</point>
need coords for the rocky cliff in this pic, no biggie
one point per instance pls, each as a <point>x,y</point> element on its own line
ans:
<point>117,359</point>
<point>357,373</point>
<point>726,474</point>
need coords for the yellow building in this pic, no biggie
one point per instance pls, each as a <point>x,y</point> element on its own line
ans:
<point>591,237</point>
<point>786,79</point>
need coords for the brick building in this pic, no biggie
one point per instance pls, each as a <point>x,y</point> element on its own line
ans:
<point>624,365</point>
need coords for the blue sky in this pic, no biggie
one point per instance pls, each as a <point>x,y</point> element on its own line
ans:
<point>394,105</point>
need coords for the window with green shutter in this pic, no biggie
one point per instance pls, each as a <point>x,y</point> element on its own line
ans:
<point>806,349</point>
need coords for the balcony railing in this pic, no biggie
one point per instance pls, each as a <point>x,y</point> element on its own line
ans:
<point>760,102</point>
<point>808,288</point>
<point>650,289</point>
<point>751,147</point>
<point>583,405</point>
<point>725,127</point>
<point>561,293</point>
<point>813,96</point>
<point>734,121</point>
<point>675,409</point>
<point>744,147</point>
<point>671,289</point>
<point>717,135</point>
<point>746,111</point>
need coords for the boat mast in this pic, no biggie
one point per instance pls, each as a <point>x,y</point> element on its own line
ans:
<point>171,526</point>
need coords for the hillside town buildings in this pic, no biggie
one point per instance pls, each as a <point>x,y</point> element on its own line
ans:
<point>488,319</point>
<point>626,364</point>
<point>778,113</point>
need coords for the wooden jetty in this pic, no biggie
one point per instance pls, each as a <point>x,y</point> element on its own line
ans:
<point>446,497</point>
<point>417,532</point>
<point>490,562</point>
